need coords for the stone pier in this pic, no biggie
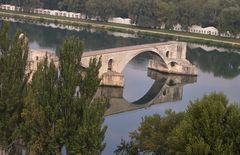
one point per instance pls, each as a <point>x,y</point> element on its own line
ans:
<point>114,79</point>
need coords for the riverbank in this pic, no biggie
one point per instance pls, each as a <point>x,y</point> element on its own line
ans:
<point>173,35</point>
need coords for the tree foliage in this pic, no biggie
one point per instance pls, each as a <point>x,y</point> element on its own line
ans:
<point>57,107</point>
<point>101,9</point>
<point>209,126</point>
<point>60,109</point>
<point>222,14</point>
<point>220,64</point>
<point>13,81</point>
<point>229,19</point>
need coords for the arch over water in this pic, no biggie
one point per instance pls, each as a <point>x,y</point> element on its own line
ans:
<point>131,56</point>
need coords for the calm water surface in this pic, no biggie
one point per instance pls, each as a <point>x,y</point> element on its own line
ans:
<point>218,71</point>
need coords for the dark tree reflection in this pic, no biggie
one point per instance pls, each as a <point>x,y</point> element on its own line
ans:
<point>221,64</point>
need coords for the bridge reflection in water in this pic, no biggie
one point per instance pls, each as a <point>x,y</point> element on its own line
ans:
<point>166,88</point>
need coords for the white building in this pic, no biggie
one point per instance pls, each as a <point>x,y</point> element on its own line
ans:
<point>46,12</point>
<point>8,7</point>
<point>54,12</point>
<point>162,26</point>
<point>177,27</point>
<point>76,15</point>
<point>120,20</point>
<point>38,11</point>
<point>64,13</point>
<point>207,30</point>
<point>70,14</point>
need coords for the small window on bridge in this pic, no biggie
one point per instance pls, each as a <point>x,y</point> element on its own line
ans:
<point>110,62</point>
<point>164,93</point>
<point>167,54</point>
<point>172,83</point>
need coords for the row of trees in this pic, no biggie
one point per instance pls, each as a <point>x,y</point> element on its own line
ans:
<point>54,109</point>
<point>209,126</point>
<point>223,14</point>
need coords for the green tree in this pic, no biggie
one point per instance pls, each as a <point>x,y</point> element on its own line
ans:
<point>41,111</point>
<point>13,83</point>
<point>102,9</point>
<point>121,8</point>
<point>72,5</point>
<point>143,12</point>
<point>210,12</point>
<point>188,13</point>
<point>53,4</point>
<point>28,5</point>
<point>229,20</point>
<point>80,110</point>
<point>124,148</point>
<point>150,13</point>
<point>151,136</point>
<point>60,106</point>
<point>210,126</point>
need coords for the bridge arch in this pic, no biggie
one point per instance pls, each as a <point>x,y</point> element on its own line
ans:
<point>128,58</point>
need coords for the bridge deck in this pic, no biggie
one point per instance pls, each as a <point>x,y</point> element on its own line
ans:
<point>126,48</point>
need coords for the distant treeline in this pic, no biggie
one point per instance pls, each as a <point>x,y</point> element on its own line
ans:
<point>222,14</point>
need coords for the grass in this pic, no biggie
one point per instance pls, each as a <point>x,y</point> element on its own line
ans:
<point>182,36</point>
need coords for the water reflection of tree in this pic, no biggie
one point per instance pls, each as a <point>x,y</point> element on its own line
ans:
<point>221,64</point>
<point>53,37</point>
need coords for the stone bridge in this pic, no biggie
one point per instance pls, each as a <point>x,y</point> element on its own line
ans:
<point>171,59</point>
<point>166,88</point>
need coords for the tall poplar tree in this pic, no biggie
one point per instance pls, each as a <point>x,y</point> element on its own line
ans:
<point>40,112</point>
<point>13,82</point>
<point>60,106</point>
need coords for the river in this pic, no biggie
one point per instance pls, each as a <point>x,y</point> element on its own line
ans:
<point>218,69</point>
